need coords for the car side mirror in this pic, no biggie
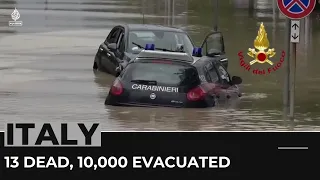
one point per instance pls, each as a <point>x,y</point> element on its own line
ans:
<point>236,80</point>
<point>119,69</point>
<point>112,46</point>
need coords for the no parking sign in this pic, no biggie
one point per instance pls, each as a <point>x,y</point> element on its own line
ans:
<point>296,9</point>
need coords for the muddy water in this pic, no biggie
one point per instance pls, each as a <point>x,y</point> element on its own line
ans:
<point>46,65</point>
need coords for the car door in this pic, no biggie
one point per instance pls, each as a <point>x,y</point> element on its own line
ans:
<point>108,55</point>
<point>212,78</point>
<point>121,45</point>
<point>227,88</point>
<point>213,44</point>
<point>118,53</point>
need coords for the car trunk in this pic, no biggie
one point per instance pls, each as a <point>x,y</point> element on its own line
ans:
<point>159,83</point>
<point>156,94</point>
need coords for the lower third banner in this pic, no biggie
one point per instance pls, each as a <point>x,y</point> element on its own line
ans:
<point>200,155</point>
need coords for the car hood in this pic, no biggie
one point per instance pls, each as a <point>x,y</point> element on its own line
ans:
<point>129,56</point>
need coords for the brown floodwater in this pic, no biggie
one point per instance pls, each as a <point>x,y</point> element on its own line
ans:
<point>46,65</point>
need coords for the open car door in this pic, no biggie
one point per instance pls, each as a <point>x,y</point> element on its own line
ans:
<point>213,46</point>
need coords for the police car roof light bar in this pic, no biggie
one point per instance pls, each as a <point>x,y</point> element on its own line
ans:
<point>149,47</point>
<point>197,52</point>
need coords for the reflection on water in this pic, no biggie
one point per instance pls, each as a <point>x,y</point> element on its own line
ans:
<point>46,65</point>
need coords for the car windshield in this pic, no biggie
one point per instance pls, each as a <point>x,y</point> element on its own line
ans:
<point>161,39</point>
<point>162,73</point>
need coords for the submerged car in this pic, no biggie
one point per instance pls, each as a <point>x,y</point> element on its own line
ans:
<point>172,79</point>
<point>122,43</point>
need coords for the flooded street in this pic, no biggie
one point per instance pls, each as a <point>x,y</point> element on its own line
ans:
<point>46,65</point>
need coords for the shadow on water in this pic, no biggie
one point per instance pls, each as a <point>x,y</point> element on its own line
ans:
<point>52,77</point>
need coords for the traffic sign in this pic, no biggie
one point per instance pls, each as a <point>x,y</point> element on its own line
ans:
<point>296,9</point>
<point>295,31</point>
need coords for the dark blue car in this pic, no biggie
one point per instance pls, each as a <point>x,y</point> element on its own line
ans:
<point>172,79</point>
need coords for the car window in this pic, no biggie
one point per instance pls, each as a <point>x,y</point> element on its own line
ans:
<point>121,42</point>
<point>213,75</point>
<point>214,44</point>
<point>163,73</point>
<point>161,39</point>
<point>223,73</point>
<point>113,36</point>
<point>212,72</point>
<point>144,34</point>
<point>207,75</point>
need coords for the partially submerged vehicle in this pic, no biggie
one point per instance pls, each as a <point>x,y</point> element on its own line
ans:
<point>124,41</point>
<point>172,79</point>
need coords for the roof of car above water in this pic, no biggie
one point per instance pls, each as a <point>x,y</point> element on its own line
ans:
<point>175,56</point>
<point>133,27</point>
<point>200,62</point>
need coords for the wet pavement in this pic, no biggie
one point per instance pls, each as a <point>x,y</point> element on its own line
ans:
<point>46,65</point>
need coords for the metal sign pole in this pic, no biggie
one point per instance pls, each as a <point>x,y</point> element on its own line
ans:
<point>287,70</point>
<point>216,15</point>
<point>292,79</point>
<point>295,38</point>
<point>169,13</point>
<point>143,8</point>
<point>173,12</point>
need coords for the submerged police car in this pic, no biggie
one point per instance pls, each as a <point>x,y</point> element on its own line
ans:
<point>172,79</point>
